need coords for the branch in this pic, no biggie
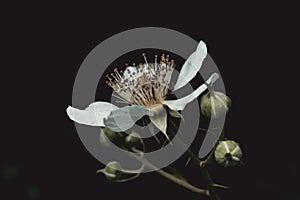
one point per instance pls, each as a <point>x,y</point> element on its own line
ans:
<point>177,180</point>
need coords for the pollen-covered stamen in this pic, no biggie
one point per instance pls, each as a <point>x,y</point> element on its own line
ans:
<point>146,84</point>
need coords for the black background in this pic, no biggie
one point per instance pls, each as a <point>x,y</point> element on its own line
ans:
<point>44,45</point>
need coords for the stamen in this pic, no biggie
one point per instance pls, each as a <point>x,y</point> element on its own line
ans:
<point>107,76</point>
<point>117,73</point>
<point>113,75</point>
<point>120,98</point>
<point>144,55</point>
<point>163,57</point>
<point>146,84</point>
<point>155,63</point>
<point>167,59</point>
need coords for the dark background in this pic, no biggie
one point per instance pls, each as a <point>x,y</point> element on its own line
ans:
<point>44,45</point>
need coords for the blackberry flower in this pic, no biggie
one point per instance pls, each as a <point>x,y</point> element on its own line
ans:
<point>144,88</point>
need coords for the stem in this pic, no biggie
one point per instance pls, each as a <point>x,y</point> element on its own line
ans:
<point>171,177</point>
<point>208,159</point>
<point>207,178</point>
<point>210,155</point>
<point>209,182</point>
<point>202,164</point>
<point>177,180</point>
<point>128,179</point>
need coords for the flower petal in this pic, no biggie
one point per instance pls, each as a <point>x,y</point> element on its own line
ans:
<point>124,118</point>
<point>191,67</point>
<point>93,115</point>
<point>179,104</point>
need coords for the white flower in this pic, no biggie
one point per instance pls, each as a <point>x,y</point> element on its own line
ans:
<point>144,87</point>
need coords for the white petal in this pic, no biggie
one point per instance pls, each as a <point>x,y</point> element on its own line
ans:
<point>191,66</point>
<point>159,119</point>
<point>93,115</point>
<point>179,104</point>
<point>124,118</point>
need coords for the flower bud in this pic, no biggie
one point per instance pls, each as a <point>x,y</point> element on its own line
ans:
<point>228,153</point>
<point>133,140</point>
<point>107,134</point>
<point>112,171</point>
<point>214,104</point>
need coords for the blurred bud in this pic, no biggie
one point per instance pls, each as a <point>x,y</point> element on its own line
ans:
<point>107,134</point>
<point>228,153</point>
<point>133,140</point>
<point>214,104</point>
<point>10,171</point>
<point>112,171</point>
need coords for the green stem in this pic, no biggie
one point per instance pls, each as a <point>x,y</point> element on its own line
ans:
<point>128,179</point>
<point>176,180</point>
<point>169,176</point>
<point>210,185</point>
<point>206,176</point>
<point>210,155</point>
<point>204,171</point>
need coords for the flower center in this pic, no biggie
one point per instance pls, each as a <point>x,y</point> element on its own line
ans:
<point>146,84</point>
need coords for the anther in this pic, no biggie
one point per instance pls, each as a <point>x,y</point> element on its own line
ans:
<point>107,76</point>
<point>167,59</point>
<point>163,57</point>
<point>117,73</point>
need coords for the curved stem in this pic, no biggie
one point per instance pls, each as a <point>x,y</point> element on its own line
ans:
<point>202,164</point>
<point>209,182</point>
<point>207,178</point>
<point>171,177</point>
<point>177,180</point>
<point>128,179</point>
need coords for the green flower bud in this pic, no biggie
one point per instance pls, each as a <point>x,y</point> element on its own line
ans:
<point>133,140</point>
<point>112,171</point>
<point>228,153</point>
<point>214,104</point>
<point>107,134</point>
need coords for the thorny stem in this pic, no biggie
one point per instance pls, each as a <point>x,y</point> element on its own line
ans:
<point>179,181</point>
<point>207,178</point>
<point>210,192</point>
<point>205,173</point>
<point>167,175</point>
<point>209,182</point>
